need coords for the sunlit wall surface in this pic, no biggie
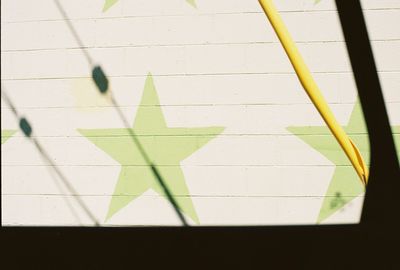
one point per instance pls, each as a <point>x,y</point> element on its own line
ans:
<point>210,93</point>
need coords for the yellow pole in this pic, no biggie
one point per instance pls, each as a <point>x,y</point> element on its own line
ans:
<point>313,91</point>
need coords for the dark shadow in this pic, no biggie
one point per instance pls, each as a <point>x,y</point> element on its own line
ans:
<point>381,201</point>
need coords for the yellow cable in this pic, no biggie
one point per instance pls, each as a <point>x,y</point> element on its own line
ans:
<point>313,91</point>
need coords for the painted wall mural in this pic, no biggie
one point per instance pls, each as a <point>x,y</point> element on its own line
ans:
<point>345,185</point>
<point>6,134</point>
<point>167,147</point>
<point>217,107</point>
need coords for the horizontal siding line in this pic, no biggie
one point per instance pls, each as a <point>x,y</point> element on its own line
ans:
<point>193,135</point>
<point>190,135</point>
<point>192,75</point>
<point>179,76</point>
<point>198,14</point>
<point>6,108</point>
<point>205,44</point>
<point>325,166</point>
<point>182,196</point>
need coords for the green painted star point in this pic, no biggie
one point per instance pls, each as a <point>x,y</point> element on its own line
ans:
<point>7,134</point>
<point>345,184</point>
<point>192,3</point>
<point>109,3</point>
<point>165,146</point>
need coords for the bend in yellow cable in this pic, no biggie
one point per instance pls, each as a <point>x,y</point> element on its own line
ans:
<point>313,91</point>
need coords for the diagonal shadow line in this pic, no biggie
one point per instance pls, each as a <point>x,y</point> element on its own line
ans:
<point>381,195</point>
<point>71,189</point>
<point>26,128</point>
<point>101,83</point>
<point>329,246</point>
<point>65,198</point>
<point>154,169</point>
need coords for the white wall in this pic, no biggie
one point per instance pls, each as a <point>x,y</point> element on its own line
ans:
<point>218,65</point>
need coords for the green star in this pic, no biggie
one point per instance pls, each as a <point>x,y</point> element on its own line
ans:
<point>6,134</point>
<point>165,146</point>
<point>192,2</point>
<point>109,3</point>
<point>345,184</point>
